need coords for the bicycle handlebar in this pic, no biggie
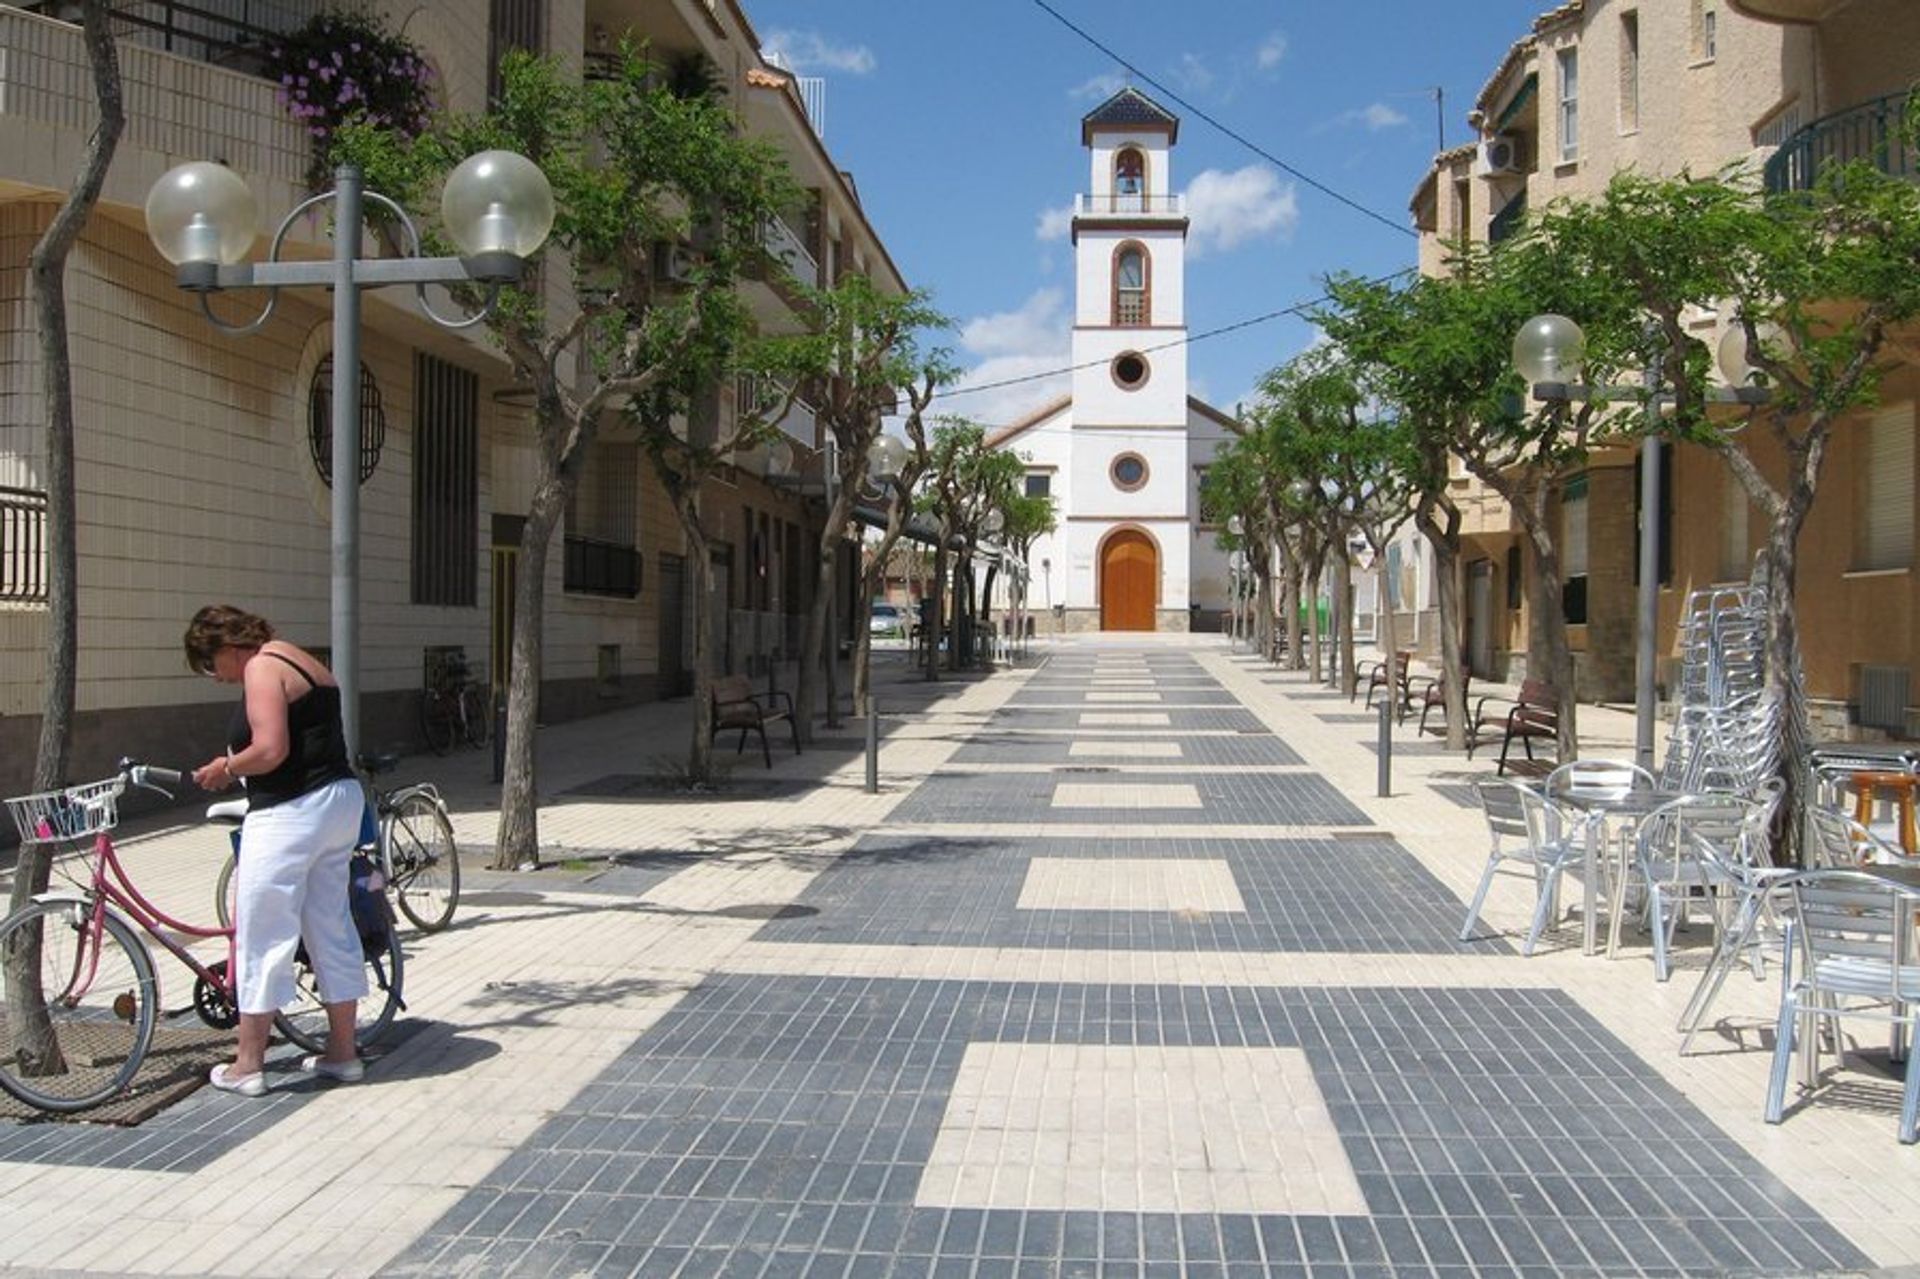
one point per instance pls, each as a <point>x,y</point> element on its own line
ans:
<point>153,777</point>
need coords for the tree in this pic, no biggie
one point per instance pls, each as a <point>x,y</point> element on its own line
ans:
<point>33,1039</point>
<point>898,492</point>
<point>863,348</point>
<point>686,455</point>
<point>1819,282</point>
<point>964,479</point>
<point>632,165</point>
<point>1426,347</point>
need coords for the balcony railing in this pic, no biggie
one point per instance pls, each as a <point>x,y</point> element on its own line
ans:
<point>754,395</point>
<point>1870,131</point>
<point>1104,205</point>
<point>785,244</point>
<point>1507,222</point>
<point>176,105</point>
<point>23,546</point>
<point>594,567</point>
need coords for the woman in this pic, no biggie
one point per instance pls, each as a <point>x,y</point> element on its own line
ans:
<point>303,815</point>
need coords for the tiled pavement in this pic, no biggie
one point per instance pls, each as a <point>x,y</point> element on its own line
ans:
<point>1202,1011</point>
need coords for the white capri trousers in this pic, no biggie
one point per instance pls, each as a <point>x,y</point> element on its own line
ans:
<point>292,883</point>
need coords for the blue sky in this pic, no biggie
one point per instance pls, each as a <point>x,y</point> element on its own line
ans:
<point>960,123</point>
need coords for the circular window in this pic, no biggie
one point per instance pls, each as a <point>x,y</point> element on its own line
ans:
<point>373,421</point>
<point>1129,472</point>
<point>1130,370</point>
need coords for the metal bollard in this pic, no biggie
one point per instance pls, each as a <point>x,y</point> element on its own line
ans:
<point>873,745</point>
<point>1386,747</point>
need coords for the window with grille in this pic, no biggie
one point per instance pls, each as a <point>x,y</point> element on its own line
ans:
<point>1884,492</point>
<point>601,557</point>
<point>1735,561</point>
<point>23,545</point>
<point>1573,549</point>
<point>512,24</point>
<point>1130,286</point>
<point>1569,115</point>
<point>1039,484</point>
<point>1629,72</point>
<point>446,483</point>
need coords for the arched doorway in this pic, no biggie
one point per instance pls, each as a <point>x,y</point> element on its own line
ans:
<point>1129,581</point>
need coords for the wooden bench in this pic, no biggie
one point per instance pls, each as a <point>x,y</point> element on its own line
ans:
<point>1435,694</point>
<point>1534,714</point>
<point>736,705</point>
<point>1377,679</point>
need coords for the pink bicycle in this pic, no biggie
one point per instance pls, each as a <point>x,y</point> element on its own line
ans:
<point>79,998</point>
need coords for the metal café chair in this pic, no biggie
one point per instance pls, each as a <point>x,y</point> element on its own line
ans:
<point>1848,953</point>
<point>1749,919</point>
<point>1530,835</point>
<point>1668,866</point>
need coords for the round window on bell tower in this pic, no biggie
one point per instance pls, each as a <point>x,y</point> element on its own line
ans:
<point>1130,370</point>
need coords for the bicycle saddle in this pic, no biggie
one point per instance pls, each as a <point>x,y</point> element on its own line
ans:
<point>377,762</point>
<point>230,811</point>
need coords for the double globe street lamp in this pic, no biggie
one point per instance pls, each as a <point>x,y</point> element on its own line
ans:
<point>1549,352</point>
<point>496,206</point>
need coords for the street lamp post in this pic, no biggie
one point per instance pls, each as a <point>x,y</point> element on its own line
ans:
<point>1236,571</point>
<point>1548,352</point>
<point>496,206</point>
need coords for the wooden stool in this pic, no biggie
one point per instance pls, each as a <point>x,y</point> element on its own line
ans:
<point>1870,785</point>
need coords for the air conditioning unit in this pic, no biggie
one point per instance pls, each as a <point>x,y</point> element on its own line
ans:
<point>675,263</point>
<point>1500,155</point>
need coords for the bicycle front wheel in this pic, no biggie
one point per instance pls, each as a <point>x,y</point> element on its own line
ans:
<point>304,1022</point>
<point>223,891</point>
<point>437,712</point>
<point>77,1006</point>
<point>424,863</point>
<point>475,715</point>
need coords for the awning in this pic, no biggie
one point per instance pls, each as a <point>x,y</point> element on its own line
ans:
<point>1528,87</point>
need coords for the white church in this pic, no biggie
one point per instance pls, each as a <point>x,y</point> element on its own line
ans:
<point>1122,455</point>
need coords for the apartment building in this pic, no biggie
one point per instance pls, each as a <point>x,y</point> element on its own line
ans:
<point>1661,87</point>
<point>198,474</point>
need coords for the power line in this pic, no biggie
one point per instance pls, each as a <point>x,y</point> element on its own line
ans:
<point>1189,340</point>
<point>1264,154</point>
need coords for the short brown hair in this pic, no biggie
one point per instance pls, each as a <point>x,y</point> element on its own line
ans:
<point>219,626</point>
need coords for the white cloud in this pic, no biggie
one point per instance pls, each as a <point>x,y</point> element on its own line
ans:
<point>1373,117</point>
<point>1227,209</point>
<point>811,51</point>
<point>1192,73</point>
<point>1053,224</point>
<point>1271,50</point>
<point>1034,339</point>
<point>1099,88</point>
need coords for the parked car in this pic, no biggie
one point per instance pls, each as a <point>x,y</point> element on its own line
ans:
<point>886,619</point>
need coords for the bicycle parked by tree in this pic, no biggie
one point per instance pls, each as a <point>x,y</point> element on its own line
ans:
<point>80,1001</point>
<point>454,707</point>
<point>409,835</point>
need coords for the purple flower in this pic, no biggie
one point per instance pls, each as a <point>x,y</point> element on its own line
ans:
<point>312,65</point>
<point>355,46</point>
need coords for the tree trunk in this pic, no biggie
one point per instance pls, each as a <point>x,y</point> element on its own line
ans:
<point>813,637</point>
<point>936,624</point>
<point>1446,557</point>
<point>33,1042</point>
<point>1343,609</point>
<point>1290,602</point>
<point>1550,630</point>
<point>517,843</point>
<point>1312,621</point>
<point>700,768</point>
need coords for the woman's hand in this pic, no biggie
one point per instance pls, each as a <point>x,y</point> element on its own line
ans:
<point>214,775</point>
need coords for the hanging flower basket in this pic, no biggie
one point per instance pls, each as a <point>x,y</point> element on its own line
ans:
<point>341,67</point>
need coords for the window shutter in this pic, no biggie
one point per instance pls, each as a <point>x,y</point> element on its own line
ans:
<point>1573,522</point>
<point>1886,490</point>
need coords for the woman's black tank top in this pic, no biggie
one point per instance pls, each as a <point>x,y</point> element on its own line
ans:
<point>316,744</point>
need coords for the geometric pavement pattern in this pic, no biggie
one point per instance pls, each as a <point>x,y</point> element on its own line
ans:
<point>1243,799</point>
<point>1300,895</point>
<point>781,1125</point>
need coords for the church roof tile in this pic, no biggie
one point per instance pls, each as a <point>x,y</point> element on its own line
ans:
<point>1130,108</point>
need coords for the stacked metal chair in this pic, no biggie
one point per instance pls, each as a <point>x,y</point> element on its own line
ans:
<point>1726,732</point>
